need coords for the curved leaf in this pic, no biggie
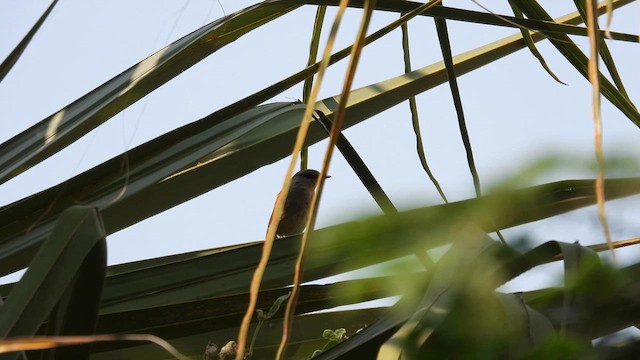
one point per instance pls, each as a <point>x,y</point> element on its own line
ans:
<point>78,118</point>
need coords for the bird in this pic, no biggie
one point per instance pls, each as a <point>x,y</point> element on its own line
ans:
<point>211,351</point>
<point>296,206</point>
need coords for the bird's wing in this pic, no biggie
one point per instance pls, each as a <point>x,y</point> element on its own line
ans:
<point>272,211</point>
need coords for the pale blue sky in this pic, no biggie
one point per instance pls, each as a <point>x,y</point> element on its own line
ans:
<point>515,113</point>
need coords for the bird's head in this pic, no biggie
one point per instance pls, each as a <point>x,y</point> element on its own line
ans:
<point>307,175</point>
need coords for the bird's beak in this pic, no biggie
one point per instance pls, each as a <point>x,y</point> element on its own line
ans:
<point>328,176</point>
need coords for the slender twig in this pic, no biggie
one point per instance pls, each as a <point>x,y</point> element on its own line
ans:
<point>595,94</point>
<point>603,50</point>
<point>262,317</point>
<point>49,342</point>
<point>333,138</point>
<point>277,212</point>
<point>253,339</point>
<point>604,247</point>
<point>525,308</point>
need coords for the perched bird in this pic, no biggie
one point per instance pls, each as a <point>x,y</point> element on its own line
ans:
<point>296,206</point>
<point>211,351</point>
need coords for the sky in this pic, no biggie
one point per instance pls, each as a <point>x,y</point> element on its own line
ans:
<point>515,112</point>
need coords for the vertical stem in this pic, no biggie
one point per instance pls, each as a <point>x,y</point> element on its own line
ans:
<point>597,119</point>
<point>254,288</point>
<point>333,138</point>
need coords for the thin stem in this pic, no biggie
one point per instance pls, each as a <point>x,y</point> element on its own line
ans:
<point>333,138</point>
<point>279,206</point>
<point>597,119</point>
